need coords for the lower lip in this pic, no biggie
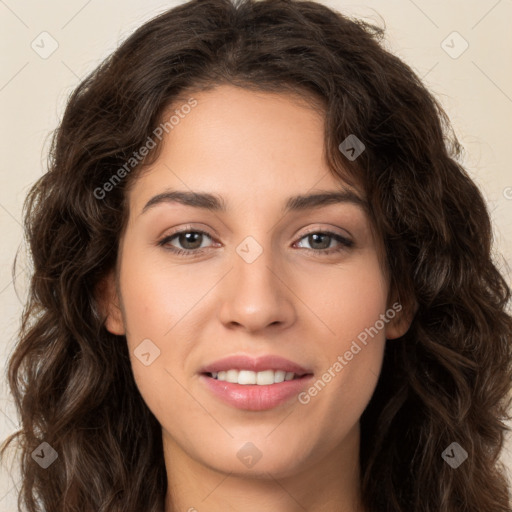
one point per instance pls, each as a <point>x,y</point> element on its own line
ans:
<point>252,397</point>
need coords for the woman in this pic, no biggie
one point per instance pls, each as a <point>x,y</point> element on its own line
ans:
<point>335,337</point>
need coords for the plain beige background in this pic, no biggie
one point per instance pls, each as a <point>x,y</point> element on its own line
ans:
<point>461,48</point>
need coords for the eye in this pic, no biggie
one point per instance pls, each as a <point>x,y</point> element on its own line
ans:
<point>190,240</point>
<point>320,242</point>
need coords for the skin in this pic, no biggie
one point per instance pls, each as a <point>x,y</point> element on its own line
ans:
<point>255,150</point>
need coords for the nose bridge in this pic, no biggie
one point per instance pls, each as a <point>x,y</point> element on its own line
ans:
<point>256,297</point>
<point>253,267</point>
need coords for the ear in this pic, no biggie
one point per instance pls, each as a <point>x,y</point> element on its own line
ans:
<point>107,298</point>
<point>400,319</point>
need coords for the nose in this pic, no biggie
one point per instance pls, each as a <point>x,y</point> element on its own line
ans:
<point>257,295</point>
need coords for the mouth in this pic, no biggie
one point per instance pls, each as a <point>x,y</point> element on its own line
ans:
<point>255,384</point>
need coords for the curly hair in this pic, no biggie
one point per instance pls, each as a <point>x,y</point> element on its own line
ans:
<point>446,380</point>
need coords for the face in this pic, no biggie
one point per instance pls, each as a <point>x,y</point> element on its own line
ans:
<point>284,289</point>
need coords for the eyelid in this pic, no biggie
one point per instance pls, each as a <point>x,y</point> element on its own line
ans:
<point>347,237</point>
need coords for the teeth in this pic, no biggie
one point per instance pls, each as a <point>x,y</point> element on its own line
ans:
<point>263,378</point>
<point>232,376</point>
<point>245,377</point>
<point>279,376</point>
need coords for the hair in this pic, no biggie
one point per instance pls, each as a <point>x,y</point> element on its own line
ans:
<point>446,380</point>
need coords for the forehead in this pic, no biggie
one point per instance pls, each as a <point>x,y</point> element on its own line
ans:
<point>243,144</point>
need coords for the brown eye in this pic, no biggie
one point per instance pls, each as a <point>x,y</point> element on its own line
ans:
<point>189,241</point>
<point>320,242</point>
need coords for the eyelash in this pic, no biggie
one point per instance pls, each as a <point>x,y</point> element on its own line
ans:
<point>345,243</point>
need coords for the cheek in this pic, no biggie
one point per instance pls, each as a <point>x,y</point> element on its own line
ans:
<point>158,297</point>
<point>347,299</point>
<point>152,312</point>
<point>351,304</point>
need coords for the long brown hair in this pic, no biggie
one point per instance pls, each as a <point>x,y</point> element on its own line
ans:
<point>445,381</point>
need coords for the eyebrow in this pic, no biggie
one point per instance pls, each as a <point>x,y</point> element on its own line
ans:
<point>215,203</point>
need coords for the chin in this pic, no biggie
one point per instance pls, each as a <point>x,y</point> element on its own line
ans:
<point>257,458</point>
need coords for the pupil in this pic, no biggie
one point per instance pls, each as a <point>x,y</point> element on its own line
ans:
<point>315,237</point>
<point>187,238</point>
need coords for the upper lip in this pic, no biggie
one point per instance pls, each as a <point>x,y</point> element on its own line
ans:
<point>258,364</point>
